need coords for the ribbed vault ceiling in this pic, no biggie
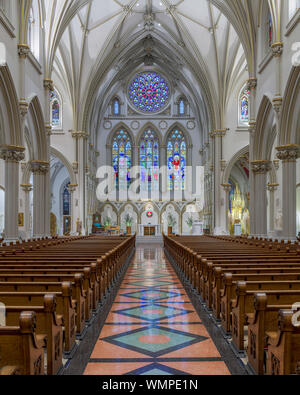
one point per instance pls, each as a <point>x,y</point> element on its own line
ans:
<point>92,46</point>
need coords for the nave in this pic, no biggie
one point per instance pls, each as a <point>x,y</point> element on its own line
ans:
<point>153,327</point>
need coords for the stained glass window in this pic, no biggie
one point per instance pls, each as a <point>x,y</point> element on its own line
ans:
<point>116,106</point>
<point>56,119</point>
<point>181,107</point>
<point>66,200</point>
<point>122,159</point>
<point>176,157</point>
<point>149,92</point>
<point>244,106</point>
<point>149,161</point>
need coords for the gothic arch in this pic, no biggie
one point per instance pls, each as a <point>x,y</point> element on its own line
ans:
<point>184,131</point>
<point>36,127</point>
<point>232,162</point>
<point>149,125</point>
<point>11,131</point>
<point>120,125</point>
<point>66,163</point>
<point>264,135</point>
<point>290,120</point>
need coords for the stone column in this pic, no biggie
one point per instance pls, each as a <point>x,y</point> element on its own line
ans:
<point>27,188</point>
<point>217,136</point>
<point>12,155</point>
<point>72,189</point>
<point>40,170</point>
<point>252,85</point>
<point>272,188</point>
<point>289,154</point>
<point>260,169</point>
<point>227,189</point>
<point>81,144</point>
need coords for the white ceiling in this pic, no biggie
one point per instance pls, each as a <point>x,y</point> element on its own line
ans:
<point>94,43</point>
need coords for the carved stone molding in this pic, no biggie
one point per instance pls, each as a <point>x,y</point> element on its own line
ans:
<point>48,129</point>
<point>218,133</point>
<point>276,164</point>
<point>223,165</point>
<point>227,187</point>
<point>277,49</point>
<point>261,166</point>
<point>39,167</point>
<point>23,106</point>
<point>75,167</point>
<point>26,187</point>
<point>277,104</point>
<point>252,84</point>
<point>288,153</point>
<point>77,134</point>
<point>23,50</point>
<point>12,153</point>
<point>272,187</point>
<point>48,84</point>
<point>72,187</point>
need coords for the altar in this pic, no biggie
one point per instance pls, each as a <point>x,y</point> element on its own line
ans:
<point>149,230</point>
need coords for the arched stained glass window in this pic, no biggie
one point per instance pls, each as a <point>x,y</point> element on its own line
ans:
<point>181,107</point>
<point>56,116</point>
<point>176,157</point>
<point>149,161</point>
<point>66,200</point>
<point>244,114</point>
<point>122,159</point>
<point>116,106</point>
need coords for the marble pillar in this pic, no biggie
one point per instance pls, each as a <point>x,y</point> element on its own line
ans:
<point>289,154</point>
<point>12,155</point>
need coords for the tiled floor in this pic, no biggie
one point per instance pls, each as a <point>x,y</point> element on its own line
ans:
<point>152,327</point>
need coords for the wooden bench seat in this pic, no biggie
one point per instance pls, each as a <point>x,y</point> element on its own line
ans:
<point>20,349</point>
<point>48,324</point>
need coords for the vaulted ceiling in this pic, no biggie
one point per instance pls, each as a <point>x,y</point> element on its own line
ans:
<point>93,45</point>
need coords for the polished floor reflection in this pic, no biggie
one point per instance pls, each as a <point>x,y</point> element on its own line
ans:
<point>153,328</point>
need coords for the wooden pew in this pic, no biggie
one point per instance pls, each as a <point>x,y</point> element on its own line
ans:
<point>21,351</point>
<point>47,323</point>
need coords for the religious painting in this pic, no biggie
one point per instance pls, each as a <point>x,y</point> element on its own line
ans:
<point>21,219</point>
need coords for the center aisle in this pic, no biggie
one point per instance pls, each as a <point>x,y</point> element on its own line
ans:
<point>152,327</point>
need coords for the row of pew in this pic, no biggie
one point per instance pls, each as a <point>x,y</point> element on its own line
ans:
<point>252,288</point>
<point>50,290</point>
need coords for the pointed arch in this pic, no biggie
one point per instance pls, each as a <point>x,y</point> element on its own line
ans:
<point>36,126</point>
<point>265,133</point>
<point>11,121</point>
<point>290,120</point>
<point>232,162</point>
<point>66,163</point>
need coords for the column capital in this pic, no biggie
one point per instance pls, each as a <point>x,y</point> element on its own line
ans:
<point>23,107</point>
<point>252,83</point>
<point>12,153</point>
<point>218,133</point>
<point>72,187</point>
<point>48,84</point>
<point>277,49</point>
<point>79,134</point>
<point>39,167</point>
<point>23,50</point>
<point>26,187</point>
<point>277,103</point>
<point>48,129</point>
<point>227,187</point>
<point>261,166</point>
<point>272,187</point>
<point>288,153</point>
